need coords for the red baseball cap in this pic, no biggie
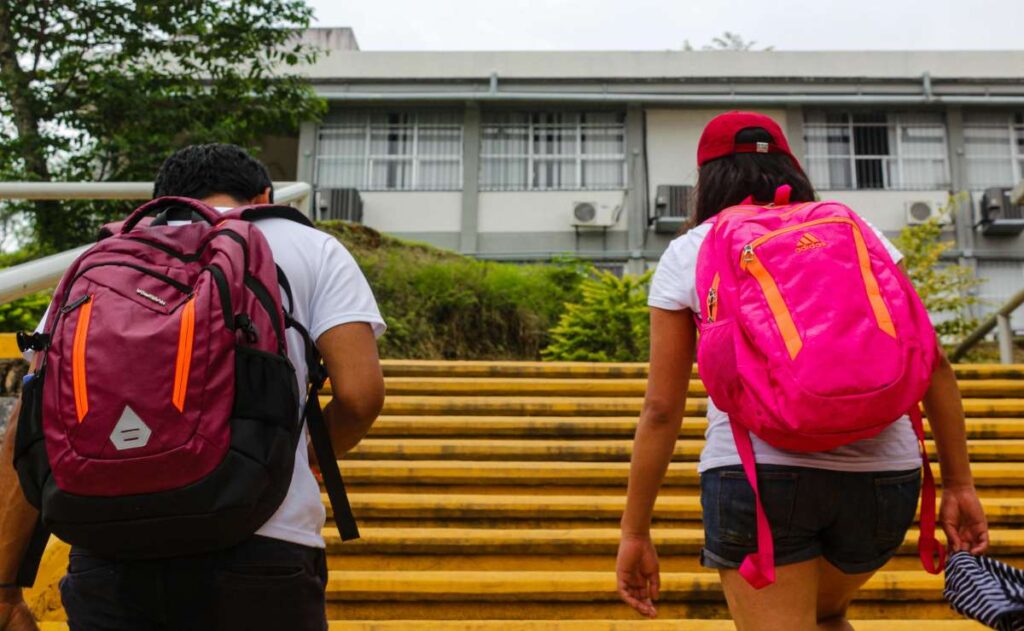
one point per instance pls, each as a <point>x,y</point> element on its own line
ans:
<point>722,137</point>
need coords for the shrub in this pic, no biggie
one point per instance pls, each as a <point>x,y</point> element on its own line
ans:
<point>945,288</point>
<point>610,324</point>
<point>441,305</point>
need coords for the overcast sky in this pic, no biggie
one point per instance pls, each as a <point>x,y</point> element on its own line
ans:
<point>665,24</point>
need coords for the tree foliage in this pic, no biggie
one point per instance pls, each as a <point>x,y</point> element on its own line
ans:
<point>728,41</point>
<point>946,289</point>
<point>610,324</point>
<point>105,89</point>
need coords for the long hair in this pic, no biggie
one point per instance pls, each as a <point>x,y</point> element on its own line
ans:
<point>728,181</point>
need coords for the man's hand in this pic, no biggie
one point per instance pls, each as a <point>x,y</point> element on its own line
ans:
<point>357,382</point>
<point>637,574</point>
<point>14,613</point>
<point>963,519</point>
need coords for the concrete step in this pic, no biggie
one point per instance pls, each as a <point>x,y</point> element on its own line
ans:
<point>575,370</point>
<point>553,476</point>
<point>603,406</point>
<point>597,427</point>
<point>573,594</point>
<point>481,449</point>
<point>567,542</point>
<point>502,508</point>
<point>630,387</point>
<point>600,625</point>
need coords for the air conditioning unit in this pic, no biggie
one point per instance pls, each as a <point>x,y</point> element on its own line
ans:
<point>595,214</point>
<point>923,210</point>
<point>345,204</point>
<point>1000,216</point>
<point>671,207</point>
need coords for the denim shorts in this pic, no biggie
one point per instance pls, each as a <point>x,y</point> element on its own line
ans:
<point>855,521</point>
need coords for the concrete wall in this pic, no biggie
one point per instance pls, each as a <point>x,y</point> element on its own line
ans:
<point>672,137</point>
<point>416,215</point>
<point>280,154</point>
<point>885,209</point>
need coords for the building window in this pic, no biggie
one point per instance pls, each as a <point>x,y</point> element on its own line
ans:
<point>993,149</point>
<point>539,151</point>
<point>391,151</point>
<point>876,150</point>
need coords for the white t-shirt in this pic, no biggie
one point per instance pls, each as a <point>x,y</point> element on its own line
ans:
<point>329,290</point>
<point>674,287</point>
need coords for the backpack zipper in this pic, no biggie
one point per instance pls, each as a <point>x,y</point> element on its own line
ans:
<point>783,317</point>
<point>184,357</point>
<point>78,375</point>
<point>713,299</point>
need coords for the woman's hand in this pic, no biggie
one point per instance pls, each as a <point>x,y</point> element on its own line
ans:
<point>637,574</point>
<point>963,519</point>
<point>15,614</point>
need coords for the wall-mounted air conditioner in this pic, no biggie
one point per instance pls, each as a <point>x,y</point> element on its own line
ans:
<point>671,207</point>
<point>595,214</point>
<point>921,211</point>
<point>1000,216</point>
<point>345,204</point>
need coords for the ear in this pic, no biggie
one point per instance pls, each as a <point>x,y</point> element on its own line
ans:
<point>262,198</point>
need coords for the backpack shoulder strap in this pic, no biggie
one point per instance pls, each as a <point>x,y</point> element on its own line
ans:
<point>266,211</point>
<point>321,438</point>
<point>29,567</point>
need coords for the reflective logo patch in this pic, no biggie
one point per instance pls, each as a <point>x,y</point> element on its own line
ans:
<point>130,432</point>
<point>809,242</point>
<point>148,296</point>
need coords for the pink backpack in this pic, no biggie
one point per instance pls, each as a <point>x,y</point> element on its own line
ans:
<point>811,338</point>
<point>164,417</point>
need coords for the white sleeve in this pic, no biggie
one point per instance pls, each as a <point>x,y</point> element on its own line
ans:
<point>341,294</point>
<point>896,255</point>
<point>674,284</point>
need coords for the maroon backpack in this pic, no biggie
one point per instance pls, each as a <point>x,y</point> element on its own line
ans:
<point>164,416</point>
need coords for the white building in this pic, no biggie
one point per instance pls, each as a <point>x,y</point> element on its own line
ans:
<point>489,153</point>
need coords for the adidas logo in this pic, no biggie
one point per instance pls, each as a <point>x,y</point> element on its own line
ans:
<point>809,242</point>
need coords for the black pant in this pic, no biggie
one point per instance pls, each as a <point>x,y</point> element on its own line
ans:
<point>261,584</point>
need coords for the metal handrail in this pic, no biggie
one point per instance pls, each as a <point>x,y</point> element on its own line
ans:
<point>1000,318</point>
<point>43,273</point>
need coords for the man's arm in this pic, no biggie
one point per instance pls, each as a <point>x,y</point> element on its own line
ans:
<point>17,520</point>
<point>357,382</point>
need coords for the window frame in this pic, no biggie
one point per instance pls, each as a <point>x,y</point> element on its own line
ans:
<point>1015,138</point>
<point>532,158</point>
<point>369,159</point>
<point>895,122</point>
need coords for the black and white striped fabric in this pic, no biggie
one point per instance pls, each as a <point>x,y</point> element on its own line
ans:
<point>986,590</point>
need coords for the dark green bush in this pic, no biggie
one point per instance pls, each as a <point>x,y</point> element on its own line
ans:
<point>440,305</point>
<point>610,324</point>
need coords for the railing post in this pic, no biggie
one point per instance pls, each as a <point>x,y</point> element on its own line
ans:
<point>1005,335</point>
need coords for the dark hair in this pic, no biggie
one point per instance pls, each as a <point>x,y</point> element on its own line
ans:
<point>199,171</point>
<point>728,181</point>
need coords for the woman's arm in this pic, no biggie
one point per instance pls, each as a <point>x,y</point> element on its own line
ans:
<point>961,514</point>
<point>673,336</point>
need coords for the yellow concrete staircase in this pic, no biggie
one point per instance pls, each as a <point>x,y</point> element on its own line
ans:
<point>489,496</point>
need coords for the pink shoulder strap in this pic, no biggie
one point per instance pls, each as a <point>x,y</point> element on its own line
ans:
<point>759,567</point>
<point>933,555</point>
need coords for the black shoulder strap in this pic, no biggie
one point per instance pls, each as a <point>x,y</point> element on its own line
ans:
<point>321,438</point>
<point>282,280</point>
<point>33,555</point>
<point>267,211</point>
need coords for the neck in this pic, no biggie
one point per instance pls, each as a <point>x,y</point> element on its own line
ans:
<point>222,200</point>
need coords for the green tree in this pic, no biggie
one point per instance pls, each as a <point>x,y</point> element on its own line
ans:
<point>945,288</point>
<point>728,41</point>
<point>105,89</point>
<point>610,324</point>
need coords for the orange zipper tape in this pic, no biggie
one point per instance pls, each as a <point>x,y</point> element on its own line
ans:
<point>184,361</point>
<point>78,377</point>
